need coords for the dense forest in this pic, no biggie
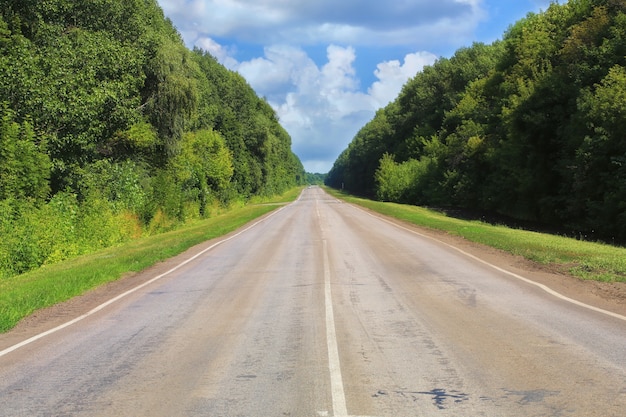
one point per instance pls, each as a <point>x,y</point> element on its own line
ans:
<point>110,128</point>
<point>531,127</point>
<point>315,178</point>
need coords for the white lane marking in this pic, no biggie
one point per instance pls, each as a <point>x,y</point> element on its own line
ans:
<point>132,290</point>
<point>340,408</point>
<point>504,271</point>
<point>336,382</point>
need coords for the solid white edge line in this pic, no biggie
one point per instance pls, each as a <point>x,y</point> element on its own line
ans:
<point>504,271</point>
<point>119,297</point>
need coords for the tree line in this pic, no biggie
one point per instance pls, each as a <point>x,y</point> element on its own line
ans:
<point>111,128</point>
<point>531,126</point>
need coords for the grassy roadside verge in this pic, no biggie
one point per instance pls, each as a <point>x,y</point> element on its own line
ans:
<point>586,260</point>
<point>23,294</point>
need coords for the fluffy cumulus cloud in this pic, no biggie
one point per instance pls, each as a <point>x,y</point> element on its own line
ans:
<point>323,107</point>
<point>320,106</point>
<point>392,75</point>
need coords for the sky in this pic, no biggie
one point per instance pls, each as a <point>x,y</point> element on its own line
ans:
<point>327,66</point>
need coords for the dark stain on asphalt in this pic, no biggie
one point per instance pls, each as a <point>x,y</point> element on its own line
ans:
<point>440,396</point>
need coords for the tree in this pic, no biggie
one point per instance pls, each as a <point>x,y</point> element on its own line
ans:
<point>103,105</point>
<point>600,177</point>
<point>530,127</point>
<point>24,164</point>
<point>203,167</point>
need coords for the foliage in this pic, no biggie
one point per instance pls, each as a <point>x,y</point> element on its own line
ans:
<point>393,180</point>
<point>204,167</point>
<point>530,126</point>
<point>24,163</point>
<point>110,125</point>
<point>315,178</point>
<point>61,229</point>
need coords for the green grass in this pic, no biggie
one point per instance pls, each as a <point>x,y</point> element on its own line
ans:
<point>23,294</point>
<point>586,260</point>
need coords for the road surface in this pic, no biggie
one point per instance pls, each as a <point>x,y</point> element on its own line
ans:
<point>322,309</point>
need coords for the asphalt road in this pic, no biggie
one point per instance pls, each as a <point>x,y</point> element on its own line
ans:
<point>322,309</point>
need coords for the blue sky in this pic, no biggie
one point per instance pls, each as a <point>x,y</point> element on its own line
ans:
<point>326,66</point>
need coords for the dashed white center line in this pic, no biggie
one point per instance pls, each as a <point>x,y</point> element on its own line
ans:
<point>336,381</point>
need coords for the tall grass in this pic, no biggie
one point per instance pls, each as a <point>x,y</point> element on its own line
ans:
<point>587,260</point>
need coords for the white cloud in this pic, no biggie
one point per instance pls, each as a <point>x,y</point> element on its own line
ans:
<point>354,22</point>
<point>320,107</point>
<point>323,107</point>
<point>277,71</point>
<point>221,53</point>
<point>392,75</point>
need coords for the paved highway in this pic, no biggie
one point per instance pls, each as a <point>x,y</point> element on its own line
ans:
<point>322,309</point>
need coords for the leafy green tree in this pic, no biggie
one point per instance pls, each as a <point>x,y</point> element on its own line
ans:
<point>171,90</point>
<point>315,178</point>
<point>204,166</point>
<point>107,114</point>
<point>529,126</point>
<point>355,169</point>
<point>392,181</point>
<point>24,164</point>
<point>601,159</point>
<point>263,162</point>
<point>123,184</point>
